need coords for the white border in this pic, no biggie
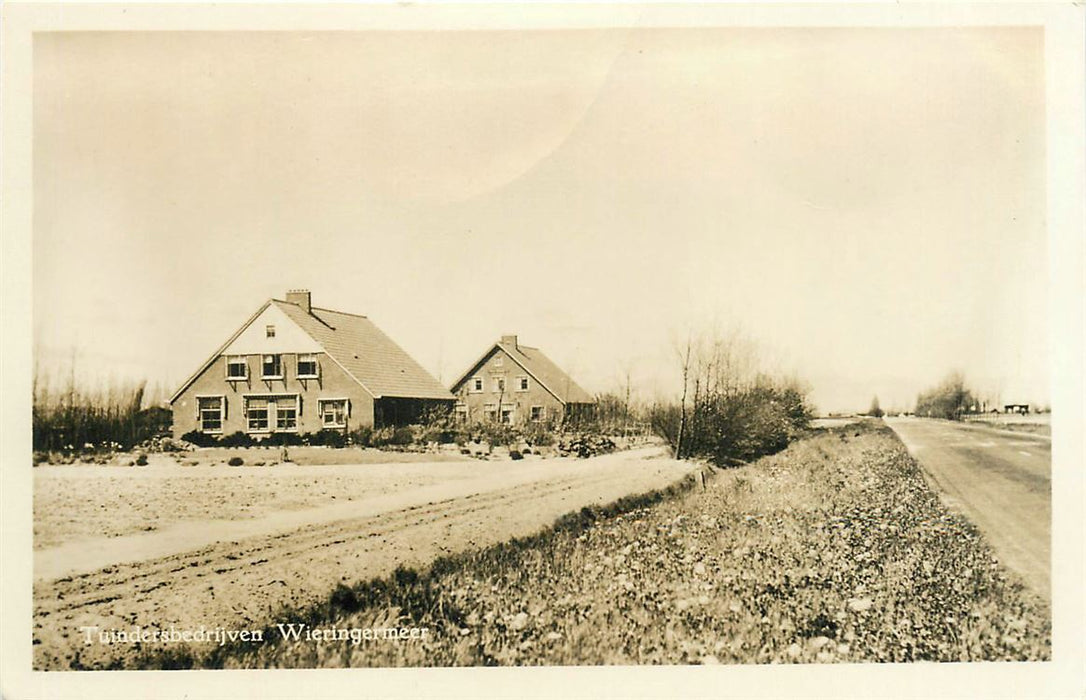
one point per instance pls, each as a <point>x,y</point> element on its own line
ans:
<point>1065,60</point>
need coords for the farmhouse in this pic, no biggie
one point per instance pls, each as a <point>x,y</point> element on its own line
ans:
<point>524,383</point>
<point>293,367</point>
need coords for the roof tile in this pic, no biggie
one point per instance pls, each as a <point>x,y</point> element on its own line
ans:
<point>378,363</point>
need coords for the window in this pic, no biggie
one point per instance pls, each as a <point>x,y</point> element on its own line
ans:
<point>507,412</point>
<point>461,413</point>
<point>498,361</point>
<point>210,413</point>
<point>256,414</point>
<point>522,384</point>
<point>333,413</point>
<point>490,411</point>
<point>286,413</point>
<point>476,385</point>
<point>499,384</point>
<point>269,331</point>
<point>237,368</point>
<point>308,367</point>
<point>269,413</point>
<point>273,367</point>
<point>538,413</point>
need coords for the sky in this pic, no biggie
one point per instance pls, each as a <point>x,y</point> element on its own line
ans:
<point>867,204</point>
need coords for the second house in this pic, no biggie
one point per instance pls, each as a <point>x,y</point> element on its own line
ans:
<point>515,383</point>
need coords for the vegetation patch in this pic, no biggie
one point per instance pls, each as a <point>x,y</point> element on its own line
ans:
<point>833,550</point>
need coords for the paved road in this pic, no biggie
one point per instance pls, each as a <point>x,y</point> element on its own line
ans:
<point>1000,479</point>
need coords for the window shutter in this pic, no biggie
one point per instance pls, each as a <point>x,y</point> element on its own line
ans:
<point>299,405</point>
<point>348,408</point>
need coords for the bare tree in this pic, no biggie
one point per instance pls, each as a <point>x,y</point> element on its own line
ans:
<point>684,357</point>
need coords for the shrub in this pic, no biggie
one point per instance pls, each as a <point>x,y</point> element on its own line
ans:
<point>586,446</point>
<point>539,434</point>
<point>283,440</point>
<point>362,436</point>
<point>199,439</point>
<point>514,454</point>
<point>402,435</point>
<point>141,460</point>
<point>237,439</point>
<point>236,461</point>
<point>440,426</point>
<point>390,435</point>
<point>496,433</point>
<point>738,426</point>
<point>328,438</point>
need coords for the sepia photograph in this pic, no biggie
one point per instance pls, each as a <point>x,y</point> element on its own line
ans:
<point>567,338</point>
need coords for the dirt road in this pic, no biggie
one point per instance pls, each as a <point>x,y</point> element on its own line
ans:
<point>1001,480</point>
<point>239,574</point>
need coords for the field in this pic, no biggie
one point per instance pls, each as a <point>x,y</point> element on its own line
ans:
<point>73,502</point>
<point>1035,423</point>
<point>834,550</point>
<point>217,546</point>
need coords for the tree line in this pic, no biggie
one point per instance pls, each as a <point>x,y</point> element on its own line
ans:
<point>949,399</point>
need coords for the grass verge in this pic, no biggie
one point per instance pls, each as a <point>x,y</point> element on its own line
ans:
<point>832,550</point>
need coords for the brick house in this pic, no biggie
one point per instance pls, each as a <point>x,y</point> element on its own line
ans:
<point>293,367</point>
<point>524,382</point>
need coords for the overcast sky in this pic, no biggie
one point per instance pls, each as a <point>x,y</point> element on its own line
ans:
<point>869,204</point>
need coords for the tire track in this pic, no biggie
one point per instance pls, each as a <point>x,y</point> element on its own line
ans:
<point>242,584</point>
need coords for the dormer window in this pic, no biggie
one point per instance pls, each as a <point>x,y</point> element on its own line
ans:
<point>272,367</point>
<point>269,331</point>
<point>237,369</point>
<point>308,367</point>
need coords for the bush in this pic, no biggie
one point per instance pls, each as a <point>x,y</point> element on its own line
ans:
<point>539,434</point>
<point>738,426</point>
<point>237,439</point>
<point>236,461</point>
<point>496,433</point>
<point>585,446</point>
<point>402,435</point>
<point>327,438</point>
<point>362,436</point>
<point>141,460</point>
<point>395,436</point>
<point>440,426</point>
<point>199,439</point>
<point>283,440</point>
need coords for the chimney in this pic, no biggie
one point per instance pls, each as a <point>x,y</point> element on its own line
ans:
<point>510,340</point>
<point>300,297</point>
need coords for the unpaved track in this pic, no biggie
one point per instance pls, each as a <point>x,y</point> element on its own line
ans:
<point>239,583</point>
<point>1001,480</point>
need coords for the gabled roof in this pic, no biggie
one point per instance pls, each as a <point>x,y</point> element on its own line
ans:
<point>369,356</point>
<point>540,367</point>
